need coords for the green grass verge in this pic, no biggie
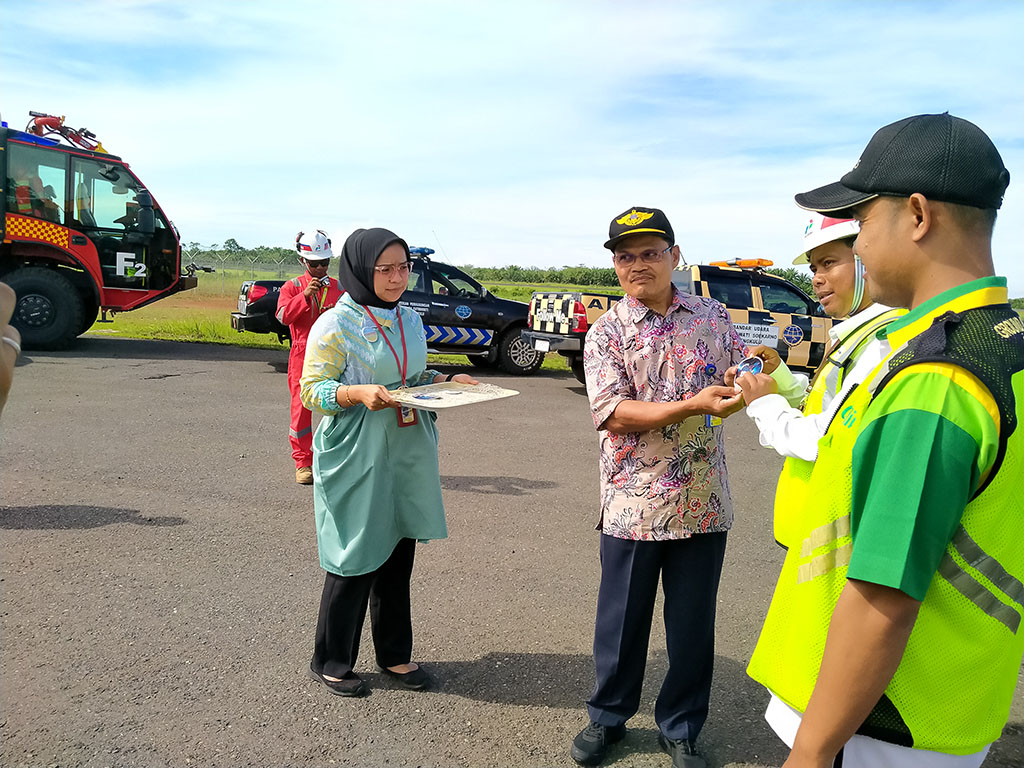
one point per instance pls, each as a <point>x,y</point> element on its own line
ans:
<point>206,330</point>
<point>207,319</point>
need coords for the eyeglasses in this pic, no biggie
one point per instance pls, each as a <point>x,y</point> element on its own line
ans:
<point>626,258</point>
<point>387,270</point>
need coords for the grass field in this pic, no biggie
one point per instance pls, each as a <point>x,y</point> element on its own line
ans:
<point>204,315</point>
<point>188,316</point>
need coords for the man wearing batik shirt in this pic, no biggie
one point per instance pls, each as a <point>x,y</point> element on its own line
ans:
<point>655,366</point>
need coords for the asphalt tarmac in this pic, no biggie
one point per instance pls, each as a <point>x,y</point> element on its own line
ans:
<point>160,583</point>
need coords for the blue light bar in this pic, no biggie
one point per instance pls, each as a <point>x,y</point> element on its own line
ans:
<point>30,138</point>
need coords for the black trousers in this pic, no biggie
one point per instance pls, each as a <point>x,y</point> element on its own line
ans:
<point>343,611</point>
<point>690,570</point>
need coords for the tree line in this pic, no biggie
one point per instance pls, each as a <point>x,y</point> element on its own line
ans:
<point>231,252</point>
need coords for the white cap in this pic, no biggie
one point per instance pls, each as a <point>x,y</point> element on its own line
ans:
<point>824,229</point>
<point>313,245</point>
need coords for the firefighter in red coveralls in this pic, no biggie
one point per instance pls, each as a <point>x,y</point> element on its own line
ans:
<point>299,304</point>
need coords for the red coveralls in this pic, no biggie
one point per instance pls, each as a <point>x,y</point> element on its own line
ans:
<point>299,313</point>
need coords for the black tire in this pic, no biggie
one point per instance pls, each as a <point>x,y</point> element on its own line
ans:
<point>515,356</point>
<point>49,312</point>
<point>90,309</point>
<point>576,364</point>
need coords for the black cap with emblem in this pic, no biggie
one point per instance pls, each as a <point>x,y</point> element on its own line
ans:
<point>945,158</point>
<point>639,221</point>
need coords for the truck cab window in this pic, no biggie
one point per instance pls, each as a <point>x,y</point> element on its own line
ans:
<point>782,298</point>
<point>733,292</point>
<point>105,196</point>
<point>417,280</point>
<point>36,182</point>
<point>448,281</point>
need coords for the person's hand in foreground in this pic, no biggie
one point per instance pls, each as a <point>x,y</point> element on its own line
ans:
<point>313,286</point>
<point>373,396</point>
<point>771,359</point>
<point>754,386</point>
<point>10,345</point>
<point>770,355</point>
<point>717,401</point>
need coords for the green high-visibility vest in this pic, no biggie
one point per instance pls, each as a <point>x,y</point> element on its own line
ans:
<point>953,688</point>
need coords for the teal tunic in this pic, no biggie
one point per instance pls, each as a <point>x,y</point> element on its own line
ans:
<point>374,482</point>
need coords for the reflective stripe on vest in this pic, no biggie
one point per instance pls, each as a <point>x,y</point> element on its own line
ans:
<point>834,557</point>
<point>968,586</point>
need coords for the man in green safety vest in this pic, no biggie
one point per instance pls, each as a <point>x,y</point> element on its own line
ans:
<point>893,637</point>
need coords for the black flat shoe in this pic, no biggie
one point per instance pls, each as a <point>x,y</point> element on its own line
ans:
<point>417,680</point>
<point>348,686</point>
<point>683,752</point>
<point>591,744</point>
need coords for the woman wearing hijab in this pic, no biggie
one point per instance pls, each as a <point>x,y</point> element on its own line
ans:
<point>377,487</point>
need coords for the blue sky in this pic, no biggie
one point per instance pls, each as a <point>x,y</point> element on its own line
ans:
<point>511,132</point>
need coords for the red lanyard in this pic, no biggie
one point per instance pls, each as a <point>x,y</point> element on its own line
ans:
<point>404,365</point>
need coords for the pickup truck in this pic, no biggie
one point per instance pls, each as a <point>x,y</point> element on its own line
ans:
<point>765,309</point>
<point>460,316</point>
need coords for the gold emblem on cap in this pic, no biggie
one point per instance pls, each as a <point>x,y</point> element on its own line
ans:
<point>633,218</point>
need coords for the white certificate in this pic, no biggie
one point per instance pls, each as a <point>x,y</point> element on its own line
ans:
<point>448,394</point>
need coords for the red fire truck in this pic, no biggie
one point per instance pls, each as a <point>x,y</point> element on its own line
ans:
<point>80,232</point>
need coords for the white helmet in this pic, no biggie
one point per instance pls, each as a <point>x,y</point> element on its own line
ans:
<point>313,245</point>
<point>824,229</point>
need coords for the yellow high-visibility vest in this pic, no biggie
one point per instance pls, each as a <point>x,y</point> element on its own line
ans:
<point>789,496</point>
<point>954,686</point>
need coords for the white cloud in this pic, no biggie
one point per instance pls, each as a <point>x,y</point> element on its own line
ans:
<point>515,131</point>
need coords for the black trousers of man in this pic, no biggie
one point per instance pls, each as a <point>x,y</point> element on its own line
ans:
<point>343,611</point>
<point>689,570</point>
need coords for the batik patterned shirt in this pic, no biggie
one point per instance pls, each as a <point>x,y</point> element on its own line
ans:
<point>667,483</point>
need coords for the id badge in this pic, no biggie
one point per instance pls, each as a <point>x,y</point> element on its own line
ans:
<point>407,417</point>
<point>712,421</point>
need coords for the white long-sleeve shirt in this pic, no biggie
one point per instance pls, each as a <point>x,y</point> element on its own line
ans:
<point>787,429</point>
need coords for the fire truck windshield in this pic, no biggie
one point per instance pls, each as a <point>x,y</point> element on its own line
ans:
<point>120,178</point>
<point>104,195</point>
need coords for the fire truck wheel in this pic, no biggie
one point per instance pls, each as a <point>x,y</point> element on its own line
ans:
<point>49,310</point>
<point>576,364</point>
<point>89,311</point>
<point>515,356</point>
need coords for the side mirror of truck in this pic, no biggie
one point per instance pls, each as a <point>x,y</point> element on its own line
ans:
<point>147,219</point>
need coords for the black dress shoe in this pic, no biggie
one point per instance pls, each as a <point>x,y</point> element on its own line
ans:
<point>591,744</point>
<point>682,751</point>
<point>417,680</point>
<point>347,686</point>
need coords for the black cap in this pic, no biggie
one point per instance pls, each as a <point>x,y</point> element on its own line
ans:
<point>944,158</point>
<point>639,221</point>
